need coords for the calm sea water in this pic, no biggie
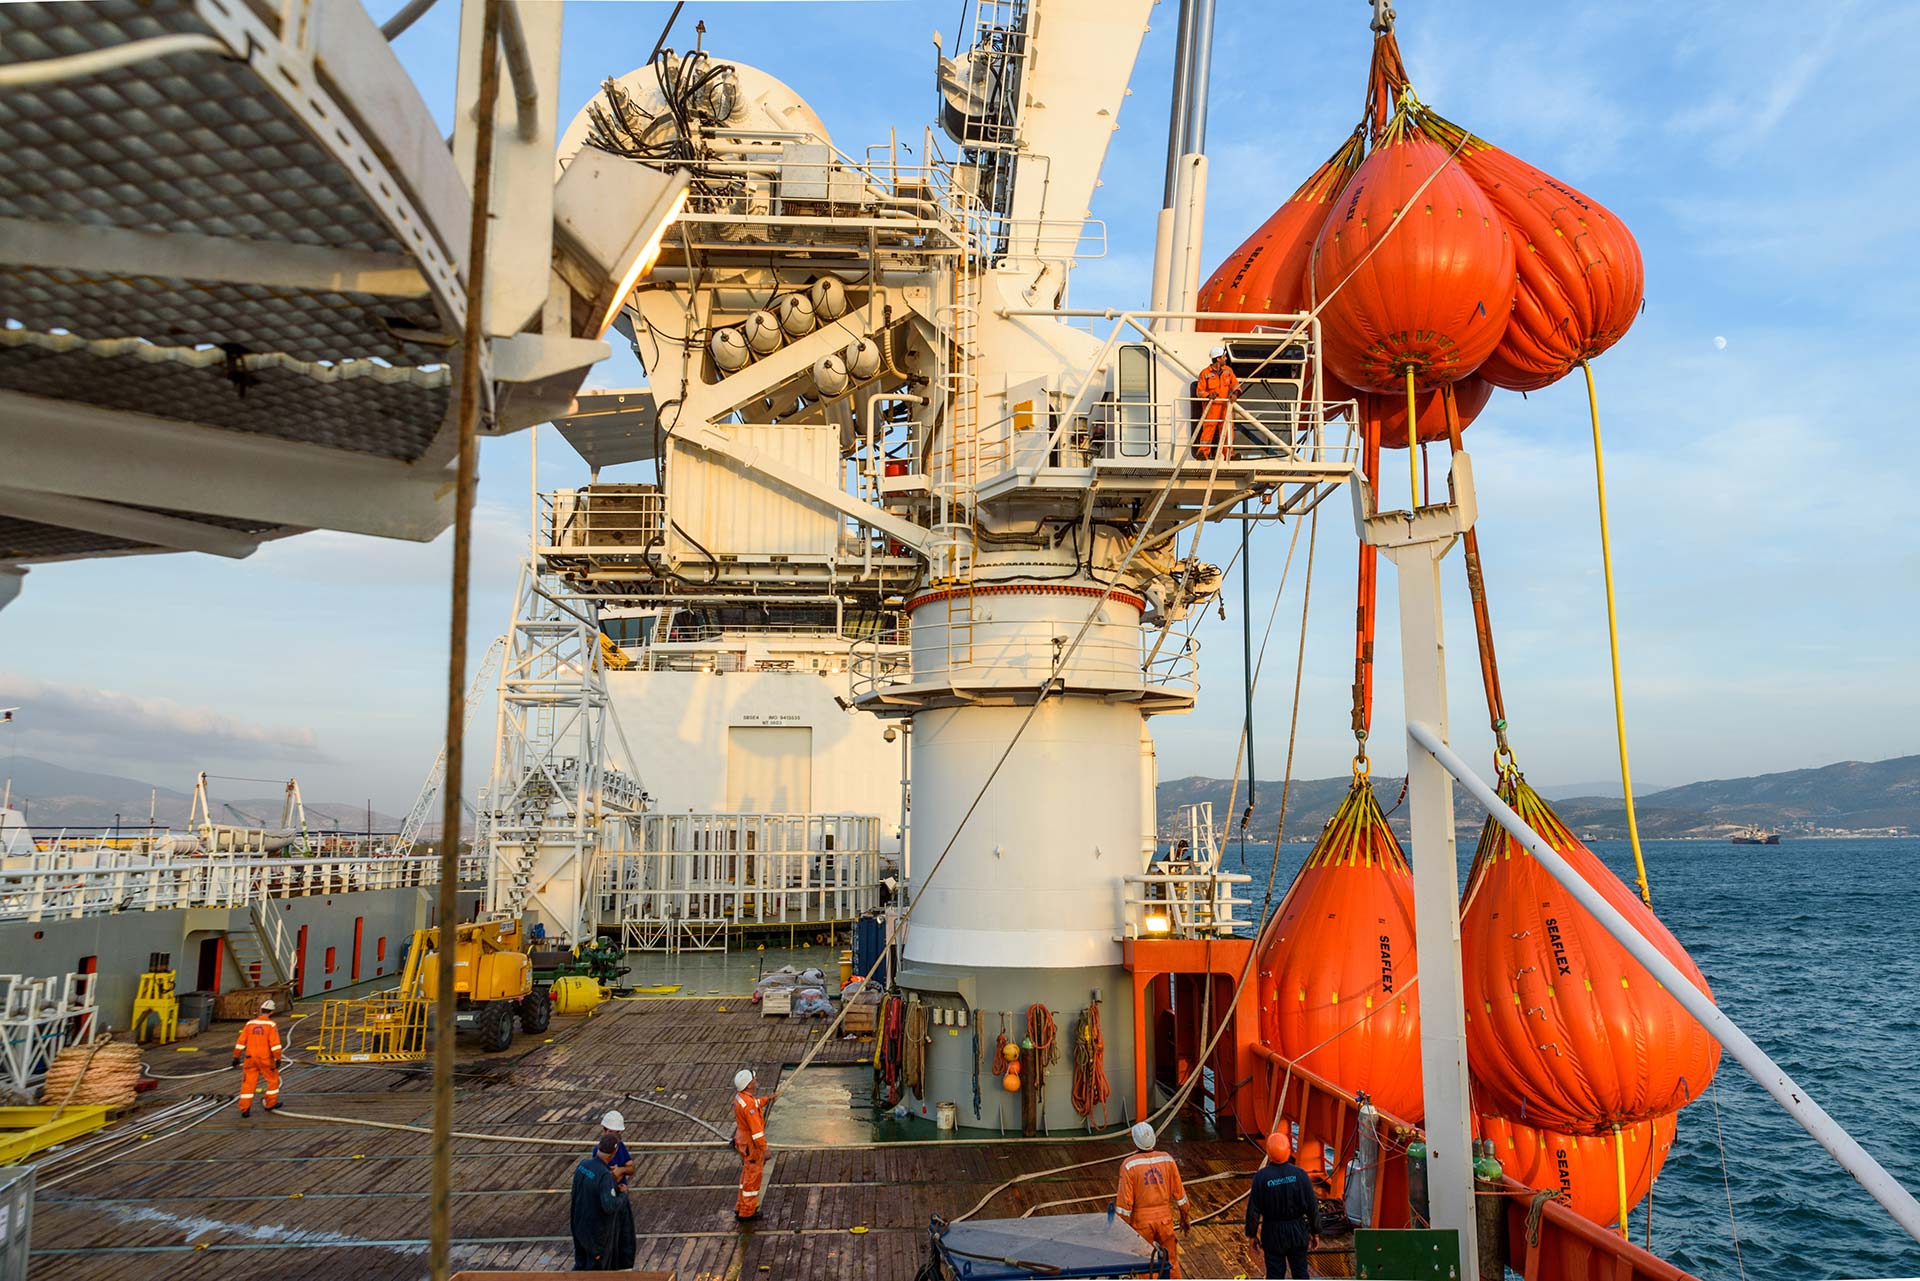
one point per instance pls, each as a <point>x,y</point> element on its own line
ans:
<point>1813,947</point>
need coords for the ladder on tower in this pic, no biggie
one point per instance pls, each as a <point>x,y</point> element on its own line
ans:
<point>956,531</point>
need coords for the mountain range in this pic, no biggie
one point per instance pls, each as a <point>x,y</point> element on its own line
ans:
<point>1846,797</point>
<point>1849,797</point>
<point>53,795</point>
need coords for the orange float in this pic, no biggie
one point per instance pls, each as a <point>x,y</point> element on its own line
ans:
<point>1565,1030</point>
<point>1582,1166</point>
<point>1579,277</point>
<point>1389,411</point>
<point>1336,960</point>
<point>1268,272</point>
<point>1414,266</point>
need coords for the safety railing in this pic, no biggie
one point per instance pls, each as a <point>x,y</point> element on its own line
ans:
<point>1125,658</point>
<point>388,1028</point>
<point>1256,427</point>
<point>1357,1154</point>
<point>686,874</point>
<point>1185,895</point>
<point>773,178</point>
<point>608,519</point>
<point>1787,1092</point>
<point>63,885</point>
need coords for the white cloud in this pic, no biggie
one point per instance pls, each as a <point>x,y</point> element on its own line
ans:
<point>84,724</point>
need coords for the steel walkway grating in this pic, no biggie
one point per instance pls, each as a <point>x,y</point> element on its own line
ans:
<point>187,143</point>
<point>366,416</point>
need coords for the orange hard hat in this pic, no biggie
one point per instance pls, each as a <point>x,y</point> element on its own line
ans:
<point>1279,1147</point>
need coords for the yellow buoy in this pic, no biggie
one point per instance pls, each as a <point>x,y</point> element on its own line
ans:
<point>577,994</point>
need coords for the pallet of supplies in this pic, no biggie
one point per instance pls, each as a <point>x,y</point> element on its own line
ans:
<point>242,1003</point>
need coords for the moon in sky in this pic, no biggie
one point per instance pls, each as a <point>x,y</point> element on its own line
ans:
<point>1719,344</point>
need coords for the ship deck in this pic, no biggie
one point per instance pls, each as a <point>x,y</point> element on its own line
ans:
<point>294,1198</point>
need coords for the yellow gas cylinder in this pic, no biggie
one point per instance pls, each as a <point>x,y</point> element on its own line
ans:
<point>577,994</point>
<point>846,968</point>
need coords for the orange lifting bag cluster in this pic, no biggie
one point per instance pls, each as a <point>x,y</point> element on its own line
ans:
<point>1338,958</point>
<point>1437,257</point>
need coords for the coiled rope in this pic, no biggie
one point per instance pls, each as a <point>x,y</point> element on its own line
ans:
<point>913,1050</point>
<point>1090,1086</point>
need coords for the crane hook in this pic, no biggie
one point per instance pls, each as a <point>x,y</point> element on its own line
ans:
<point>1383,16</point>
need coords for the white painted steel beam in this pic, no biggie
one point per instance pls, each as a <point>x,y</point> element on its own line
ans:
<point>1417,542</point>
<point>125,522</point>
<point>61,447</point>
<point>1786,1091</point>
<point>520,247</point>
<point>177,255</point>
<point>1436,903</point>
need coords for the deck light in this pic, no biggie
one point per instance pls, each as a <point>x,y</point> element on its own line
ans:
<point>610,217</point>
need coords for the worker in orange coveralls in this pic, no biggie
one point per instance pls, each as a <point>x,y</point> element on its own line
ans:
<point>750,1140</point>
<point>1150,1194</point>
<point>259,1046</point>
<point>1219,387</point>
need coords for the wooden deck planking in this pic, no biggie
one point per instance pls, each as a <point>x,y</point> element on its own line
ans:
<point>227,1186</point>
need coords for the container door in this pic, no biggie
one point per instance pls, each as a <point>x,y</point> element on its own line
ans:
<point>1133,396</point>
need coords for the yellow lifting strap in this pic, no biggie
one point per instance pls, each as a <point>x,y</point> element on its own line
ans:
<point>1413,441</point>
<point>1613,639</point>
<point>1620,1171</point>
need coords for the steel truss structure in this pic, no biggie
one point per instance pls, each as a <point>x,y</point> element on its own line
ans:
<point>553,787</point>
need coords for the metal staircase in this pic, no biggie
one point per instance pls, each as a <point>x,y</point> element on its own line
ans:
<point>265,953</point>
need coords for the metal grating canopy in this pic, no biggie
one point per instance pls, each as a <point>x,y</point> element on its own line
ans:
<point>394,421</point>
<point>187,143</point>
<point>230,278</point>
<point>30,540</point>
<point>309,324</point>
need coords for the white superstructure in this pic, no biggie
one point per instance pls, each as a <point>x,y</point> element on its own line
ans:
<point>893,471</point>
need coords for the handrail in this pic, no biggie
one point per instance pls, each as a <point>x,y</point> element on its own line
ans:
<point>220,881</point>
<point>1787,1092</point>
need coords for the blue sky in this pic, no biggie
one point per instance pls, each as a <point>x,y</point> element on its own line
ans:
<point>1764,544</point>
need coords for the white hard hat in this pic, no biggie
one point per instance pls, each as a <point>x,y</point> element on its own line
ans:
<point>613,1121</point>
<point>1217,352</point>
<point>266,1007</point>
<point>1143,1136</point>
<point>743,1078</point>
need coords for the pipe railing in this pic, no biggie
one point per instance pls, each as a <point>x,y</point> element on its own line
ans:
<point>57,892</point>
<point>1787,1092</point>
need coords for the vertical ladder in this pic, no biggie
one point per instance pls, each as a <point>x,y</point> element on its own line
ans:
<point>956,528</point>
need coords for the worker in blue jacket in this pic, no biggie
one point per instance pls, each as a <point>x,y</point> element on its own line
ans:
<point>1283,1214</point>
<point>596,1203</point>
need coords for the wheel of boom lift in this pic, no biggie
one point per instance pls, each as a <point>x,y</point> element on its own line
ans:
<point>495,1026</point>
<point>536,1010</point>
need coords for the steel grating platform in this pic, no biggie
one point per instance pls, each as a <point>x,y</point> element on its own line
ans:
<point>278,225</point>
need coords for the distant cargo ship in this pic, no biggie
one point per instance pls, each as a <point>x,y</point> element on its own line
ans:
<point>1756,836</point>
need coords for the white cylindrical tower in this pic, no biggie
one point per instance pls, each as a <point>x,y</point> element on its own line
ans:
<point>1017,890</point>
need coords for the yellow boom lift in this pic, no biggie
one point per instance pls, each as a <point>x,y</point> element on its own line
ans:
<point>492,983</point>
